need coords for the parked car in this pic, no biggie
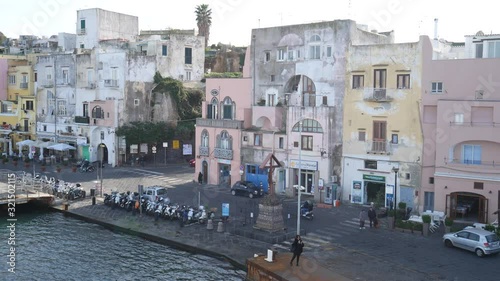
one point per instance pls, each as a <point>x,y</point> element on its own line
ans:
<point>476,240</point>
<point>153,193</point>
<point>247,188</point>
<point>192,162</point>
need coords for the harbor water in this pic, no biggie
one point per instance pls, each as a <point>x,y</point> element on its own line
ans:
<point>51,246</point>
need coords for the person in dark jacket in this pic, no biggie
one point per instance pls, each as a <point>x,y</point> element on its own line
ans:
<point>297,247</point>
<point>372,216</point>
<point>200,178</point>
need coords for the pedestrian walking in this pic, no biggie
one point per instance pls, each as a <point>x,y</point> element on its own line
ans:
<point>200,178</point>
<point>297,247</point>
<point>372,216</point>
<point>362,218</point>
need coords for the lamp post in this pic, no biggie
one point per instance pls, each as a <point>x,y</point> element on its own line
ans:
<point>395,170</point>
<point>300,176</point>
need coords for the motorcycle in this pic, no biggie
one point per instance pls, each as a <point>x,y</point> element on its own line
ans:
<point>306,210</point>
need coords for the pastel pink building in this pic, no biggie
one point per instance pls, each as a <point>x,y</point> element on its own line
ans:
<point>226,111</point>
<point>3,78</point>
<point>461,127</point>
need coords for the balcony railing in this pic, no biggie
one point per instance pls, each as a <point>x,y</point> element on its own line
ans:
<point>475,124</point>
<point>219,123</point>
<point>469,162</point>
<point>223,153</point>
<point>378,147</point>
<point>377,95</point>
<point>204,151</point>
<point>24,86</point>
<point>82,119</point>
<point>111,83</point>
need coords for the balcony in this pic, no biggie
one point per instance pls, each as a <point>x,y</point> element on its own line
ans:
<point>476,166</point>
<point>223,153</point>
<point>378,147</point>
<point>219,123</point>
<point>377,95</point>
<point>48,85</point>
<point>24,86</point>
<point>110,83</point>
<point>203,151</point>
<point>82,119</point>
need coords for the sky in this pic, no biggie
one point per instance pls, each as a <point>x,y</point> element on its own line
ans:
<point>233,20</point>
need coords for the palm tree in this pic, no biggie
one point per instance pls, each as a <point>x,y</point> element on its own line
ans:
<point>204,21</point>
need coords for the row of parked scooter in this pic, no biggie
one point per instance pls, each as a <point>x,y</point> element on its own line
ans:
<point>62,189</point>
<point>161,208</point>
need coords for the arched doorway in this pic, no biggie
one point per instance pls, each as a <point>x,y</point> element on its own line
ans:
<point>204,168</point>
<point>102,153</point>
<point>467,206</point>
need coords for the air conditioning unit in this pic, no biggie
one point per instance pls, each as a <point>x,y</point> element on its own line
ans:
<point>479,95</point>
<point>334,178</point>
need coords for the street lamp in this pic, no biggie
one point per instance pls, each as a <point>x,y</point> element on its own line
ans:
<point>300,176</point>
<point>395,170</point>
<point>101,150</point>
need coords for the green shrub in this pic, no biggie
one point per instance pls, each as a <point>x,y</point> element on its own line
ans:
<point>402,205</point>
<point>418,226</point>
<point>426,219</point>
<point>489,227</point>
<point>448,221</point>
<point>391,213</point>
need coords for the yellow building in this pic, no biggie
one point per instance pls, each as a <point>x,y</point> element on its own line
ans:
<point>382,136</point>
<point>18,116</point>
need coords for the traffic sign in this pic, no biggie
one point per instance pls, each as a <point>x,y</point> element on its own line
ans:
<point>153,149</point>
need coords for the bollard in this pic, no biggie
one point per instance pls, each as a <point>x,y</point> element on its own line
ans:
<point>220,227</point>
<point>65,206</point>
<point>210,225</point>
<point>93,200</point>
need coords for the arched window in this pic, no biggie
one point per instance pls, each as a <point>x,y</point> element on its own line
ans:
<point>212,109</point>
<point>308,125</point>
<point>227,108</point>
<point>224,141</point>
<point>204,138</point>
<point>314,47</point>
<point>97,112</point>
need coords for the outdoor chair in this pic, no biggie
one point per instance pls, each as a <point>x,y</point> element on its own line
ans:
<point>433,226</point>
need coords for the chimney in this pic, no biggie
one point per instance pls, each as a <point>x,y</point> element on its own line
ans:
<point>435,29</point>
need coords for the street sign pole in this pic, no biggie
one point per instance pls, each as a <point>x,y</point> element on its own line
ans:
<point>165,146</point>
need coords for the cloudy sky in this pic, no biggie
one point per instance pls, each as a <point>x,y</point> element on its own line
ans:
<point>233,20</point>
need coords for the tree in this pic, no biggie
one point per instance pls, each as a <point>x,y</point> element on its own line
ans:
<point>204,21</point>
<point>146,132</point>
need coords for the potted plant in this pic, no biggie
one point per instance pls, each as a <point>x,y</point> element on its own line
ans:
<point>58,168</point>
<point>390,218</point>
<point>5,160</point>
<point>426,219</point>
<point>14,161</point>
<point>448,222</point>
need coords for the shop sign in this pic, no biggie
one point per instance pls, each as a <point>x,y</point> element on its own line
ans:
<point>373,178</point>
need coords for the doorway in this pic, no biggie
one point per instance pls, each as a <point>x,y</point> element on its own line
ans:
<point>467,206</point>
<point>102,153</point>
<point>307,180</point>
<point>204,170</point>
<point>224,175</point>
<point>372,190</point>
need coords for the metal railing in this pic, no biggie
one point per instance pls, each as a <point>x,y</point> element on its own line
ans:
<point>378,146</point>
<point>469,162</point>
<point>475,124</point>
<point>377,94</point>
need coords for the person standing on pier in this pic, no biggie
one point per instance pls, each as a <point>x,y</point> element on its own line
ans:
<point>297,248</point>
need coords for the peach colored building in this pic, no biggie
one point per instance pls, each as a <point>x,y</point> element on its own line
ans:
<point>461,127</point>
<point>225,113</point>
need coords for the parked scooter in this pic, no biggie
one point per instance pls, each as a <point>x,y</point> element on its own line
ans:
<point>306,210</point>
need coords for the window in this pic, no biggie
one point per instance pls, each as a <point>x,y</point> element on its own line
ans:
<point>97,112</point>
<point>431,180</point>
<point>295,144</point>
<point>61,107</point>
<point>307,143</point>
<point>358,81</point>
<point>437,87</point>
<point>227,109</point>
<point>12,79</point>
<point>82,46</point>
<point>281,55</point>
<point>290,55</point>
<point>494,49</point>
<point>478,185</point>
<point>314,52</point>
<point>379,130</point>
<point>224,140</point>
<point>272,78</point>
<point>394,139</point>
<point>325,100</point>
<point>164,50</point>
<point>188,55</point>
<point>257,139</point>
<point>281,142</point>
<point>102,135</point>
<point>85,109</point>
<point>267,56</point>
<point>459,118</point>
<point>479,50</point>
<point>29,105</point>
<point>107,114</point>
<point>308,125</point>
<point>271,99</point>
<point>212,112</point>
<point>245,138</point>
<point>45,128</point>
<point>204,138</point>
<point>361,136</point>
<point>407,176</point>
<point>471,154</point>
<point>65,76</point>
<point>298,54</point>
<point>251,169</point>
<point>136,102</point>
<point>82,24</point>
<point>329,51</point>
<point>403,81</point>
<point>188,75</point>
<point>380,76</point>
<point>371,164</point>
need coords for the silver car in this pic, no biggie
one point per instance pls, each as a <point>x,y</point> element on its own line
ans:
<point>479,241</point>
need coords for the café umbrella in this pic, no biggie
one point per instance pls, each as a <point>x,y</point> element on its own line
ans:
<point>61,147</point>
